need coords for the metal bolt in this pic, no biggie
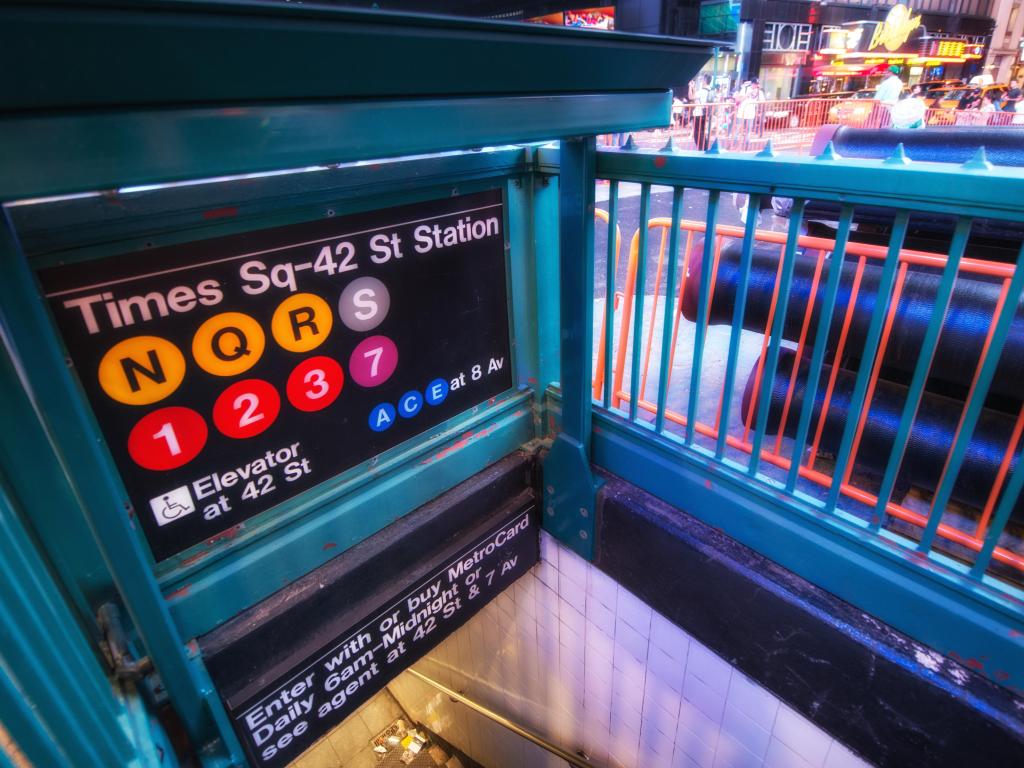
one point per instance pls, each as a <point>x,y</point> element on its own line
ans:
<point>584,512</point>
<point>583,535</point>
<point>551,510</point>
<point>551,489</point>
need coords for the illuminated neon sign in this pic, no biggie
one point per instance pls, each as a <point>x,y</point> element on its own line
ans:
<point>895,30</point>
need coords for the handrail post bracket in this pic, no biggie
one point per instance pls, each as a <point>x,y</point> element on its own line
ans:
<point>570,488</point>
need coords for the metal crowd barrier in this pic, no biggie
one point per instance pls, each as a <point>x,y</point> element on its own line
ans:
<point>792,123</point>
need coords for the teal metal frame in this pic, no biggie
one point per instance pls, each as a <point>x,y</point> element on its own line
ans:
<point>111,118</point>
<point>108,139</point>
<point>956,608</point>
<point>50,674</point>
<point>570,493</point>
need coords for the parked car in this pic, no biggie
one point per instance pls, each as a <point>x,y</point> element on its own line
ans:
<point>933,96</point>
<point>854,110</point>
<point>960,98</point>
<point>934,85</point>
<point>857,109</point>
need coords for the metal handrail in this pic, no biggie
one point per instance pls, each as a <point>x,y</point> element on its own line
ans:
<point>569,757</point>
<point>620,393</point>
<point>963,605</point>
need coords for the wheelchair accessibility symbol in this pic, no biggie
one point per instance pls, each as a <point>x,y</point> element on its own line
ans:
<point>172,505</point>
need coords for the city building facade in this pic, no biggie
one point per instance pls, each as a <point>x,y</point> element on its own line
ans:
<point>800,47</point>
<point>814,47</point>
<point>1005,54</point>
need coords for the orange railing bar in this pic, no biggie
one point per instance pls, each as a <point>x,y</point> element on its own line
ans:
<point>997,486</point>
<point>654,309</point>
<point>679,307</point>
<point>834,374</point>
<point>876,368</point>
<point>974,383</point>
<point>598,381</point>
<point>801,343</point>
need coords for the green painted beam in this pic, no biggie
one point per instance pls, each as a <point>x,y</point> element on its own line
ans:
<point>940,187</point>
<point>28,333</point>
<point>68,55</point>
<point>73,153</point>
<point>164,215</point>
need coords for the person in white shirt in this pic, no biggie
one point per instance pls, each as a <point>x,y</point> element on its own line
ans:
<point>888,91</point>
<point>987,105</point>
<point>701,96</point>
<point>747,110</point>
<point>677,111</point>
<point>909,113</point>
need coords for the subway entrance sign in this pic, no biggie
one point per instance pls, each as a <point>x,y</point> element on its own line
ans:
<point>230,374</point>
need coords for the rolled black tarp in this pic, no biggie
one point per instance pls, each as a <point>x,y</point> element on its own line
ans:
<point>931,436</point>
<point>1004,145</point>
<point>963,332</point>
<point>990,238</point>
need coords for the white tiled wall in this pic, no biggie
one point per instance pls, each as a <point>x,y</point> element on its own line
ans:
<point>575,657</point>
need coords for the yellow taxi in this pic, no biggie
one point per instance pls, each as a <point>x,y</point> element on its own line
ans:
<point>959,98</point>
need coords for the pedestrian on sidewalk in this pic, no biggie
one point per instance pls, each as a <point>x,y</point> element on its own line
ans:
<point>701,124</point>
<point>747,112</point>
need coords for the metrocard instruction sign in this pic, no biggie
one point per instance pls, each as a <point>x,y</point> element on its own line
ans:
<point>281,719</point>
<point>228,375</point>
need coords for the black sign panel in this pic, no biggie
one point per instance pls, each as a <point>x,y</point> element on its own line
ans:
<point>230,374</point>
<point>286,717</point>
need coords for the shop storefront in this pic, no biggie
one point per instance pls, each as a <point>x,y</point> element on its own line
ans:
<point>858,54</point>
<point>806,48</point>
<point>786,47</point>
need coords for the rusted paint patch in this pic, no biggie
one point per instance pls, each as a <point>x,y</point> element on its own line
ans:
<point>221,213</point>
<point>113,197</point>
<point>195,558</point>
<point>659,161</point>
<point>179,592</point>
<point>458,445</point>
<point>227,535</point>
<point>970,663</point>
<point>708,485</point>
<point>329,545</point>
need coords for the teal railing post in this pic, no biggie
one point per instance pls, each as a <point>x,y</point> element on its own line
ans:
<point>55,699</point>
<point>569,485</point>
<point>185,681</point>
